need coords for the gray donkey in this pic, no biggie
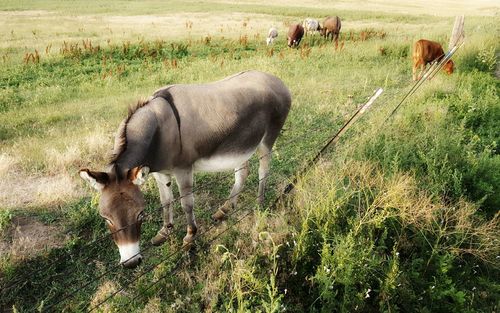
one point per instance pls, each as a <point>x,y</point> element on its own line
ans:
<point>182,129</point>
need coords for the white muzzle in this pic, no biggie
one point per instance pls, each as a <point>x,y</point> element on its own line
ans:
<point>129,254</point>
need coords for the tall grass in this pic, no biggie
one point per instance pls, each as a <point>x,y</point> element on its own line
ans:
<point>372,242</point>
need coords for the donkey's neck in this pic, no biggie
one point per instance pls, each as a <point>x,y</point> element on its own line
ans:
<point>140,130</point>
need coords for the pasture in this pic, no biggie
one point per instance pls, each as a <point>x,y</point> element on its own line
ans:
<point>401,215</point>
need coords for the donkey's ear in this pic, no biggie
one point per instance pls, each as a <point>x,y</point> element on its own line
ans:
<point>96,179</point>
<point>138,175</point>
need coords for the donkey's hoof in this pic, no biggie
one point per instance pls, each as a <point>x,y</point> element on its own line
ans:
<point>162,235</point>
<point>158,240</point>
<point>221,213</point>
<point>218,216</point>
<point>187,243</point>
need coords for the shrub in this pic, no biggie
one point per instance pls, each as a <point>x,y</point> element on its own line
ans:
<point>449,142</point>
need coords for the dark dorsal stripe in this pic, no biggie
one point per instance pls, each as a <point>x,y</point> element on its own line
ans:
<point>168,97</point>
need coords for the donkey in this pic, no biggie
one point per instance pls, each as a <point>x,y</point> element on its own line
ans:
<point>182,129</point>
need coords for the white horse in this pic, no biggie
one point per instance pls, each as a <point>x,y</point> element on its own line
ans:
<point>311,26</point>
<point>271,35</point>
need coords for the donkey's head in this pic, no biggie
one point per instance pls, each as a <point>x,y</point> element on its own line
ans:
<point>122,206</point>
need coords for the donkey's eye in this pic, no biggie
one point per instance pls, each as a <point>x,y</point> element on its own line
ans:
<point>141,216</point>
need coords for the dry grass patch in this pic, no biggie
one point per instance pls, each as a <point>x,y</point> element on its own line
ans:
<point>58,160</point>
<point>58,183</point>
<point>22,191</point>
<point>7,164</point>
<point>153,306</point>
<point>105,289</point>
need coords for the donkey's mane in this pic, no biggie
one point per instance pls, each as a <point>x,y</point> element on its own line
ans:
<point>121,134</point>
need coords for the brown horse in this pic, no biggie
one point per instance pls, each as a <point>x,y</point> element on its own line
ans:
<point>182,129</point>
<point>331,26</point>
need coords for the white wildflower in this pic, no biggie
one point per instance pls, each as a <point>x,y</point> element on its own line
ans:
<point>367,295</point>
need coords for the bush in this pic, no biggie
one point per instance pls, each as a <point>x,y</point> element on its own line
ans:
<point>450,143</point>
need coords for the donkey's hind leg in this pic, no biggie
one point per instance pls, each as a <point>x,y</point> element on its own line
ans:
<point>264,164</point>
<point>164,183</point>
<point>240,176</point>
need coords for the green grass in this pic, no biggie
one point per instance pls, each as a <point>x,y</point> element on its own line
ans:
<point>400,216</point>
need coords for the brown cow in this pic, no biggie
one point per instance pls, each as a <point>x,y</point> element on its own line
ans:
<point>425,52</point>
<point>295,33</point>
<point>331,26</point>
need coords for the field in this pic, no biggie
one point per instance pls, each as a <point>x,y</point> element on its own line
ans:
<point>400,216</point>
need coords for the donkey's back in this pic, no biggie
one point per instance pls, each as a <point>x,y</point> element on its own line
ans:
<point>227,118</point>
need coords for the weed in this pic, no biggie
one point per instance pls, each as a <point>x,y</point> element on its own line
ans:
<point>273,302</point>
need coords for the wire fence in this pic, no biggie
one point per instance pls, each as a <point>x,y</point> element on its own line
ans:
<point>429,74</point>
<point>310,162</point>
<point>148,217</point>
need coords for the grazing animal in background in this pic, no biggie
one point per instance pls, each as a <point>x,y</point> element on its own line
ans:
<point>425,52</point>
<point>271,35</point>
<point>331,26</point>
<point>182,129</point>
<point>311,26</point>
<point>295,34</point>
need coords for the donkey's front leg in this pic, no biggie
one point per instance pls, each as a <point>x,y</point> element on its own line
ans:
<point>185,182</point>
<point>164,183</point>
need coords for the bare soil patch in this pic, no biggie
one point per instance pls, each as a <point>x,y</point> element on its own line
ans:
<point>27,237</point>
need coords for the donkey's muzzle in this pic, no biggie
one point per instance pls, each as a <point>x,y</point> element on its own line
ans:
<point>132,263</point>
<point>129,255</point>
